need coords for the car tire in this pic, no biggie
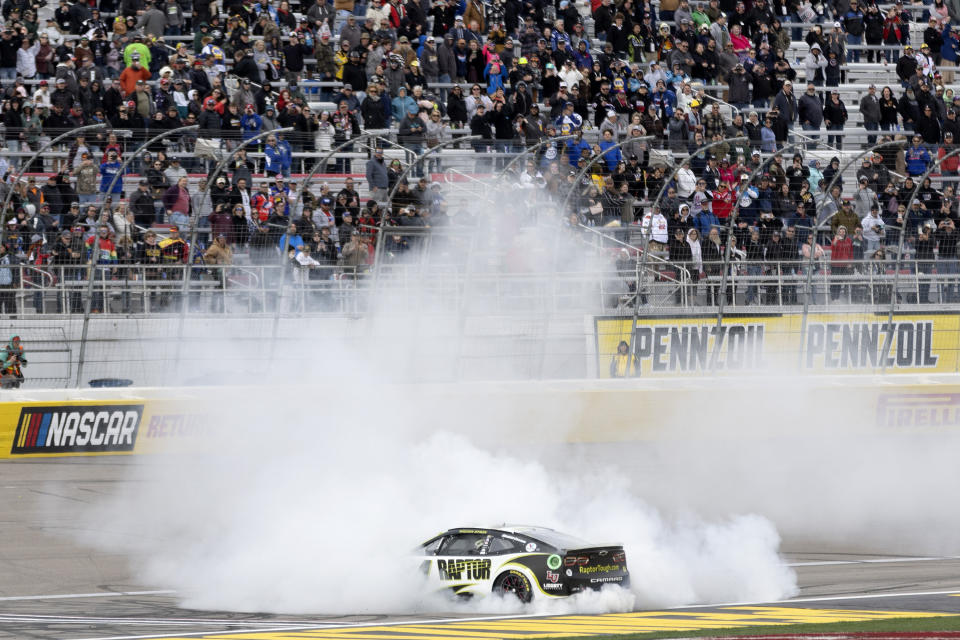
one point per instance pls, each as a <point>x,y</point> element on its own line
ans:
<point>514,583</point>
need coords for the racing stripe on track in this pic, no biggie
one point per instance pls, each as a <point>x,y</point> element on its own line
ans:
<point>576,625</point>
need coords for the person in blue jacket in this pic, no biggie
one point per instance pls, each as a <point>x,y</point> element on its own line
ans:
<point>495,75</point>
<point>664,101</point>
<point>273,157</point>
<point>704,221</point>
<point>401,105</point>
<point>575,147</point>
<point>250,123</point>
<point>611,153</point>
<point>286,156</point>
<point>950,50</point>
<point>279,156</point>
<point>108,170</point>
<point>917,157</point>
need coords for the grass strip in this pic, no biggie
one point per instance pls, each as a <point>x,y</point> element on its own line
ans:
<point>893,625</point>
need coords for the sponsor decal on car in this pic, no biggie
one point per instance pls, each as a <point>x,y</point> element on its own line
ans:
<point>464,569</point>
<point>554,562</point>
<point>552,587</point>
<point>553,577</point>
<point>77,429</point>
<point>531,547</point>
<point>611,579</point>
<point>600,568</point>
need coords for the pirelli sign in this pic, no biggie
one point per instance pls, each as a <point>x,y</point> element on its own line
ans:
<point>831,343</point>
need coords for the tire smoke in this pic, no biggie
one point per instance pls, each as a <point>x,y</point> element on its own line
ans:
<point>310,491</point>
<point>318,512</point>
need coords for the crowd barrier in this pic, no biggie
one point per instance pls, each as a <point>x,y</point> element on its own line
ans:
<point>275,286</point>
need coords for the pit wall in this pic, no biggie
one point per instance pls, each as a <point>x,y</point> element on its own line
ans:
<point>95,422</point>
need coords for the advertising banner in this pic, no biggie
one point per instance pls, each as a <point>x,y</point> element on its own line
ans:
<point>95,427</point>
<point>743,344</point>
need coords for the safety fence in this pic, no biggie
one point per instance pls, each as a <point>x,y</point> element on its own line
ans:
<point>503,265</point>
<point>662,286</point>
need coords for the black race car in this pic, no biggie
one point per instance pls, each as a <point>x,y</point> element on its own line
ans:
<point>521,561</point>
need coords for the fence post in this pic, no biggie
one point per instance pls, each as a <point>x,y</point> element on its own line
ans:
<point>95,253</point>
<point>903,233</point>
<point>734,213</point>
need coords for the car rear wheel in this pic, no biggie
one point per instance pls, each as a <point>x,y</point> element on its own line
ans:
<point>513,583</point>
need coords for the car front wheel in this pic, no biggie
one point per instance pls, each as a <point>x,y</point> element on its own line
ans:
<point>513,583</point>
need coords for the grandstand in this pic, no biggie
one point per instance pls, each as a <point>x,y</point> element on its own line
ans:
<point>597,114</point>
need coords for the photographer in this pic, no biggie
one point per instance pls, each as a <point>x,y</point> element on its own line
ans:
<point>13,361</point>
<point>873,230</point>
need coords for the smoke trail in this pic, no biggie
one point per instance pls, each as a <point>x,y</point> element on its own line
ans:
<point>310,498</point>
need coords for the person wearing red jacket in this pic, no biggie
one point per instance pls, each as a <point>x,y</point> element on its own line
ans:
<point>723,199</point>
<point>841,257</point>
<point>949,166</point>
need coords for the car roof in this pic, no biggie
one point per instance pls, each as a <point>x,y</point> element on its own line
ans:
<point>547,535</point>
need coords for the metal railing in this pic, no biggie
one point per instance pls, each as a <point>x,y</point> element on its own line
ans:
<point>257,288</point>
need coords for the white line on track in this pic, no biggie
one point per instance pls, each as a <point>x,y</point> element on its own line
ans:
<point>98,594</point>
<point>825,563</point>
<point>876,595</point>
<point>149,621</point>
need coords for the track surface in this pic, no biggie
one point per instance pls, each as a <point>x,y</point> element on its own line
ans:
<point>52,588</point>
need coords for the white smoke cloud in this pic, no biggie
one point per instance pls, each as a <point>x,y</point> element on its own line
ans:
<point>317,511</point>
<point>309,497</point>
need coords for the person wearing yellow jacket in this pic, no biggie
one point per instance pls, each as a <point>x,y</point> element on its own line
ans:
<point>624,364</point>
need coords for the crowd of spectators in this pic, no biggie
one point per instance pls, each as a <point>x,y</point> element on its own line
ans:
<point>656,82</point>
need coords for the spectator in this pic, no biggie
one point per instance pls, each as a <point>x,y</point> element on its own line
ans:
<point>177,203</point>
<point>624,364</point>
<point>110,171</point>
<point>835,116</point>
<point>377,178</point>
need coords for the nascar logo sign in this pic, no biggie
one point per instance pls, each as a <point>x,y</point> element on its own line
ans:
<point>77,429</point>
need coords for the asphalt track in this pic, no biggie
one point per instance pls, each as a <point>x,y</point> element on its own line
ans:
<point>52,588</point>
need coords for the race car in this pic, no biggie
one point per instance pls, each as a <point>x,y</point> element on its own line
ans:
<point>519,561</point>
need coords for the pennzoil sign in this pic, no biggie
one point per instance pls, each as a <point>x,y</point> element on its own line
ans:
<point>668,346</point>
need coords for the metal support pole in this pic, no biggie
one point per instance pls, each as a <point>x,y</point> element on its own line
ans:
<point>23,169</point>
<point>734,214</point>
<point>816,230</point>
<point>378,250</point>
<point>656,207</point>
<point>896,272</point>
<point>193,231</point>
<point>95,254</point>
